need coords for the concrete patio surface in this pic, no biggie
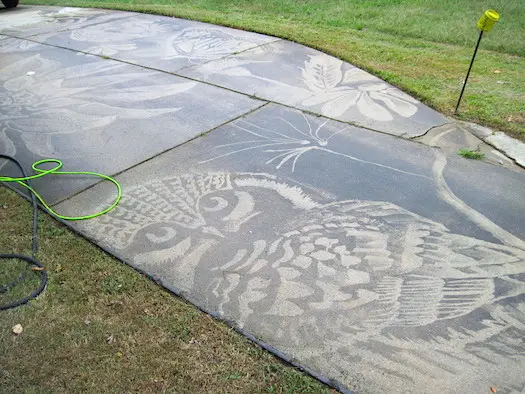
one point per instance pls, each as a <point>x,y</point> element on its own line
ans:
<point>314,207</point>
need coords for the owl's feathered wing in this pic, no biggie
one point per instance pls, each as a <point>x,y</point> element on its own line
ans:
<point>375,262</point>
<point>173,199</point>
<point>433,274</point>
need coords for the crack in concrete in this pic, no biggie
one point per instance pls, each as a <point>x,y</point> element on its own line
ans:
<point>429,130</point>
<point>201,135</point>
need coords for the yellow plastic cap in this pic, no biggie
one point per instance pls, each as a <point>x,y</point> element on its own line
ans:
<point>488,20</point>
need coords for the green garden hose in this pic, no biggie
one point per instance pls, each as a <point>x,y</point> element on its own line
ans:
<point>32,263</point>
<point>22,181</point>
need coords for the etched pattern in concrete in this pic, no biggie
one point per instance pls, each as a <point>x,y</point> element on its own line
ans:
<point>302,77</point>
<point>386,264</point>
<point>97,113</point>
<point>159,42</point>
<point>300,231</point>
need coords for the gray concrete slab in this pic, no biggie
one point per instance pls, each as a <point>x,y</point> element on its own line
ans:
<point>379,262</point>
<point>302,77</point>
<point>159,42</point>
<point>97,114</point>
<point>26,21</point>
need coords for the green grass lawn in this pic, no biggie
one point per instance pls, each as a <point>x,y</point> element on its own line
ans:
<point>102,327</point>
<point>422,46</point>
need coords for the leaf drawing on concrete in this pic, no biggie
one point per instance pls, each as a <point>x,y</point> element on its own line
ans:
<point>336,93</point>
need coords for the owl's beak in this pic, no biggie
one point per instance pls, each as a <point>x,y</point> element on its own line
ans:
<point>213,231</point>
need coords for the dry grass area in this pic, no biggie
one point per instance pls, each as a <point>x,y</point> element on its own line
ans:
<point>102,327</point>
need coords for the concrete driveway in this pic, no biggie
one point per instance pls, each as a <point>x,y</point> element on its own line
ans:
<point>312,206</point>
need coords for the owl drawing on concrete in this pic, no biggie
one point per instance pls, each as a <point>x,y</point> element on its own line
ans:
<point>267,256</point>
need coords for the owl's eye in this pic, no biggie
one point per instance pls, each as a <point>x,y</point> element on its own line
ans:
<point>227,210</point>
<point>219,204</point>
<point>166,234</point>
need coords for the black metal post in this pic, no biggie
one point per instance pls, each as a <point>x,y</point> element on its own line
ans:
<point>468,72</point>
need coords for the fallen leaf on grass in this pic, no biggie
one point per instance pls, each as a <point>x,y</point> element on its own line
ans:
<point>17,329</point>
<point>37,269</point>
<point>497,71</point>
<point>192,341</point>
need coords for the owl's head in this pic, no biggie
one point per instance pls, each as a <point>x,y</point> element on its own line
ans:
<point>174,216</point>
<point>216,215</point>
